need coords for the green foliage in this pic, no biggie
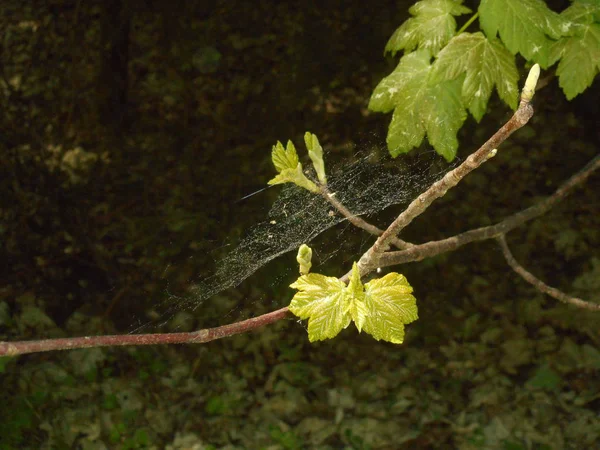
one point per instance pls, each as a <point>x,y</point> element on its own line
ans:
<point>431,28</point>
<point>525,26</point>
<point>423,94</point>
<point>315,152</point>
<point>381,307</point>
<point>486,63</point>
<point>304,258</point>
<point>579,53</point>
<point>323,301</point>
<point>286,162</point>
<point>420,107</point>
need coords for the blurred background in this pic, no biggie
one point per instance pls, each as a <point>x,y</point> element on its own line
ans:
<point>130,133</point>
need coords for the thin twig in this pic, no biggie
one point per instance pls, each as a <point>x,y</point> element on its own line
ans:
<point>539,284</point>
<point>358,221</point>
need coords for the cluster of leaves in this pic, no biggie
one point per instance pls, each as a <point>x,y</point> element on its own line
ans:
<point>432,97</point>
<point>290,168</point>
<point>380,307</point>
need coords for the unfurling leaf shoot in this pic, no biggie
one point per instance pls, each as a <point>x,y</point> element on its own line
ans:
<point>286,162</point>
<point>304,258</point>
<point>315,152</point>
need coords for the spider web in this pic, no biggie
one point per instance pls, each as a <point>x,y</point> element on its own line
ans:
<point>367,184</point>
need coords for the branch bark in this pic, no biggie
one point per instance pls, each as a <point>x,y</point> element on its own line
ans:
<point>539,284</point>
<point>196,337</point>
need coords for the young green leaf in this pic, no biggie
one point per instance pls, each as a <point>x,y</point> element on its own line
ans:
<point>486,63</point>
<point>525,26</point>
<point>390,306</point>
<point>356,298</point>
<point>315,152</point>
<point>295,176</point>
<point>323,301</point>
<point>420,107</point>
<point>431,27</point>
<point>284,158</point>
<point>381,307</point>
<point>304,258</point>
<point>289,168</point>
<point>579,53</point>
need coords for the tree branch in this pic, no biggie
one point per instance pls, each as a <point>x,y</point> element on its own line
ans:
<point>539,284</point>
<point>433,248</point>
<point>414,253</point>
<point>371,259</point>
<point>358,221</point>
<point>196,337</point>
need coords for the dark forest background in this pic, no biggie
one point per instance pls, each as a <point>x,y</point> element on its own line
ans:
<point>129,132</point>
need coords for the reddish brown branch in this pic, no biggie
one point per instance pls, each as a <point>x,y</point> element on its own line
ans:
<point>539,284</point>
<point>196,337</point>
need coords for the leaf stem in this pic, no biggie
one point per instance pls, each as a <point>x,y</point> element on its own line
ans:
<point>469,22</point>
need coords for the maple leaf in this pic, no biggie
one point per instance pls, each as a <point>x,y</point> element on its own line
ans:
<point>486,64</point>
<point>431,27</point>
<point>323,301</point>
<point>390,305</point>
<point>579,53</point>
<point>286,162</point>
<point>420,107</point>
<point>525,26</point>
<point>381,307</point>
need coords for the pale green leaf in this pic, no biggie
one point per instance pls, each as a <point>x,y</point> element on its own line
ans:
<point>304,258</point>
<point>295,176</point>
<point>579,53</point>
<point>525,26</point>
<point>408,77</point>
<point>432,26</point>
<point>486,64</point>
<point>390,306</point>
<point>356,298</point>
<point>315,152</point>
<point>443,113</point>
<point>323,301</point>
<point>420,107</point>
<point>284,158</point>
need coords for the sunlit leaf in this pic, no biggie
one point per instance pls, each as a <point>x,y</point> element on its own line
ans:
<point>356,295</point>
<point>295,176</point>
<point>420,107</point>
<point>390,305</point>
<point>579,53</point>
<point>486,64</point>
<point>323,301</point>
<point>525,26</point>
<point>284,158</point>
<point>315,152</point>
<point>432,26</point>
